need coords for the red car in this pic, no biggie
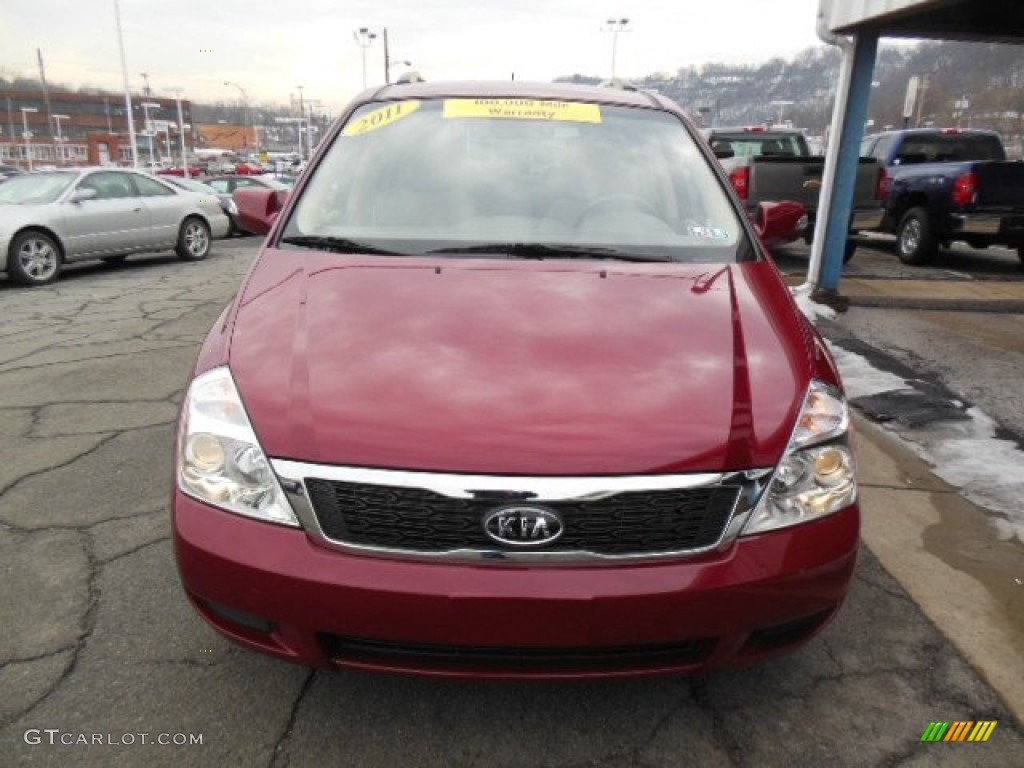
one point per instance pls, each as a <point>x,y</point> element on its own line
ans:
<point>194,172</point>
<point>513,390</point>
<point>249,169</point>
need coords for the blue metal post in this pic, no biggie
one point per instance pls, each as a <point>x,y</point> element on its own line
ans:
<point>837,217</point>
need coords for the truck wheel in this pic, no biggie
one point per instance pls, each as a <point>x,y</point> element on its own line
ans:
<point>915,242</point>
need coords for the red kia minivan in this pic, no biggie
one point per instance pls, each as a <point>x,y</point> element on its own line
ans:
<point>512,389</point>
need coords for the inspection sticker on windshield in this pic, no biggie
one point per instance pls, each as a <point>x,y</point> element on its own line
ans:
<point>696,230</point>
<point>380,117</point>
<point>523,109</point>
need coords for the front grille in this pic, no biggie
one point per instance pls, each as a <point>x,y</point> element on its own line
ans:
<point>418,520</point>
<point>356,649</point>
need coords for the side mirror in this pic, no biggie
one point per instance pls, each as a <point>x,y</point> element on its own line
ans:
<point>780,223</point>
<point>80,195</point>
<point>258,208</point>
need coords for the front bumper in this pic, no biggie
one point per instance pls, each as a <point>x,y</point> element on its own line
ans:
<point>5,247</point>
<point>220,224</point>
<point>271,588</point>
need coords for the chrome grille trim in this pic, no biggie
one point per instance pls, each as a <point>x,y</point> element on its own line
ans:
<point>292,474</point>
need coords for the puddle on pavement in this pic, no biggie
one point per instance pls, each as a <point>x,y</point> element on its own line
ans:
<point>966,538</point>
<point>966,541</point>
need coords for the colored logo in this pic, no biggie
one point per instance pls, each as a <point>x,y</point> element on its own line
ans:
<point>959,730</point>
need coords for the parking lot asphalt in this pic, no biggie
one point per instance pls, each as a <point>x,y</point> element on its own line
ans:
<point>97,641</point>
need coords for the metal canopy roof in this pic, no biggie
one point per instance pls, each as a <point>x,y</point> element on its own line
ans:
<point>998,21</point>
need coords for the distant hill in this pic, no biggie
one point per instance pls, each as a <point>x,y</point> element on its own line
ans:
<point>988,77</point>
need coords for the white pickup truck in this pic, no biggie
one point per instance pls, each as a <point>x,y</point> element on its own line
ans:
<point>772,164</point>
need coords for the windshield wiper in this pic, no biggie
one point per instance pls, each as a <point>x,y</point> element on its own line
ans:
<point>547,251</point>
<point>337,245</point>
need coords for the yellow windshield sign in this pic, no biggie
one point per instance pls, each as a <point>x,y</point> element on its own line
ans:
<point>523,109</point>
<point>378,118</point>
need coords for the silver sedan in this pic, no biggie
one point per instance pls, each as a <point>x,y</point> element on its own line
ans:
<point>53,218</point>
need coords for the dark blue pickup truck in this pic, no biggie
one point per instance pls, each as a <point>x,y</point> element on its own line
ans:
<point>942,185</point>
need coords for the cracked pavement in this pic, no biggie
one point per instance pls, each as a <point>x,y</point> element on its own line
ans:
<point>96,636</point>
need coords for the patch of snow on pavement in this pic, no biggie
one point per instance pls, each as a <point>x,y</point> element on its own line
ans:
<point>813,310</point>
<point>861,378</point>
<point>966,454</point>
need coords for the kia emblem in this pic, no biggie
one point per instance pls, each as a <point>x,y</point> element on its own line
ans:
<point>523,526</point>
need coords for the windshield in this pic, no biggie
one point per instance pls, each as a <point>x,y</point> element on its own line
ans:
<point>35,188</point>
<point>453,175</point>
<point>195,186</point>
<point>755,144</point>
<point>944,148</point>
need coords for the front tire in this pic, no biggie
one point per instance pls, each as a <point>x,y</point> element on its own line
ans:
<point>34,259</point>
<point>193,240</point>
<point>915,242</point>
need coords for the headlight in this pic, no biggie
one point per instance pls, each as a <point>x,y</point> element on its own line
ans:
<point>818,473</point>
<point>219,458</point>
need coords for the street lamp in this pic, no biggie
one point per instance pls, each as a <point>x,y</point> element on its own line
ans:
<point>615,26</point>
<point>60,138</point>
<point>246,119</point>
<point>181,132</point>
<point>146,106</point>
<point>364,37</point>
<point>127,88</point>
<point>27,135</point>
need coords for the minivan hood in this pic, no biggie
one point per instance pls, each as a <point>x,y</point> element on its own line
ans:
<point>519,367</point>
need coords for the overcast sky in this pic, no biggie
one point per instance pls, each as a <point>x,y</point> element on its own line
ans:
<point>269,48</point>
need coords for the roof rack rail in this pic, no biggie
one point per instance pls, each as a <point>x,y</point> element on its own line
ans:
<point>618,82</point>
<point>409,77</point>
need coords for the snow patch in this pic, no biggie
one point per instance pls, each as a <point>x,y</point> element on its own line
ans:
<point>813,310</point>
<point>966,454</point>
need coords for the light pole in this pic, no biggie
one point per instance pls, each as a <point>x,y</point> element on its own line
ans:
<point>146,106</point>
<point>60,138</point>
<point>27,135</point>
<point>246,119</point>
<point>781,104</point>
<point>615,26</point>
<point>181,133</point>
<point>364,37</point>
<point>127,88</point>
<point>297,121</point>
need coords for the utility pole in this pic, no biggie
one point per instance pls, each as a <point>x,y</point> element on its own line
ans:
<point>615,26</point>
<point>387,58</point>
<point>46,90</point>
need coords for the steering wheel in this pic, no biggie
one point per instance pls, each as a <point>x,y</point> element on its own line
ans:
<point>617,199</point>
